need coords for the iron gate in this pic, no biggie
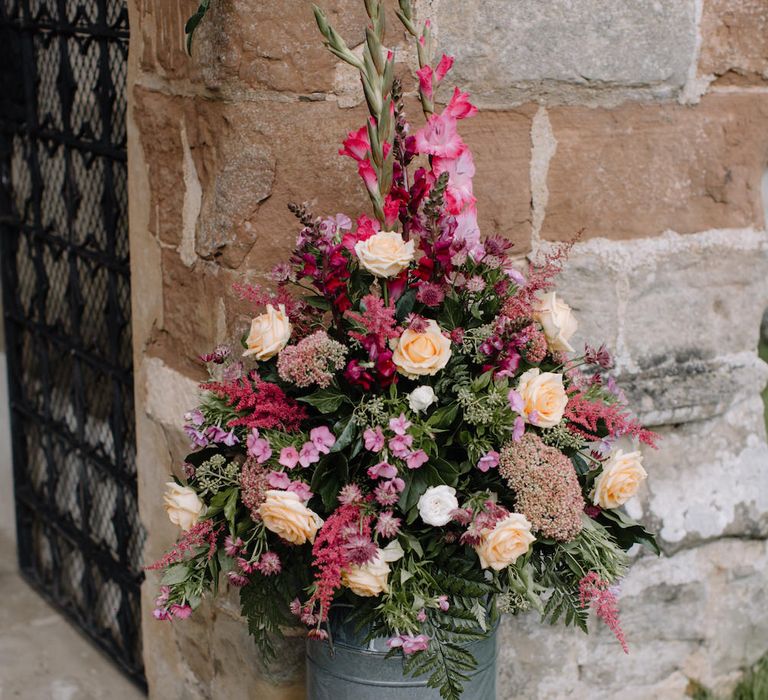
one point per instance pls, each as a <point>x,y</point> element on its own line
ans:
<point>66,298</point>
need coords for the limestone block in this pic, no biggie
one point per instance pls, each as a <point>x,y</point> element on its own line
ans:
<point>734,41</point>
<point>698,614</point>
<point>508,52</point>
<point>640,169</point>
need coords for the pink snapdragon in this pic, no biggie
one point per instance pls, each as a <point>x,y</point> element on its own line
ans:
<point>409,643</point>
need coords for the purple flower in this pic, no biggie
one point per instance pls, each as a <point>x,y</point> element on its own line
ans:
<point>269,564</point>
<point>533,417</point>
<point>519,429</point>
<point>278,480</point>
<point>400,424</point>
<point>215,434</point>
<point>230,438</point>
<point>197,436</point>
<point>232,547</point>
<point>195,417</point>
<point>373,439</point>
<point>490,460</point>
<point>289,457</point>
<point>382,470</point>
<point>360,549</point>
<point>308,454</point>
<point>416,459</point>
<point>400,445</point>
<point>301,490</point>
<point>515,401</point>
<point>409,643</point>
<point>322,439</point>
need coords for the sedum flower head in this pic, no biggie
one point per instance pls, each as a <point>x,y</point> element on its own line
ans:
<point>312,361</point>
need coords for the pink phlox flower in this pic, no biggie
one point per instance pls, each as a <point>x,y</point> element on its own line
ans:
<point>278,480</point>
<point>289,457</point>
<point>425,80</point>
<point>195,417</point>
<point>421,616</point>
<point>258,447</point>
<point>382,470</point>
<point>444,65</point>
<point>308,454</point>
<point>356,145</point>
<point>410,644</point>
<point>490,460</point>
<point>373,439</point>
<point>416,459</point>
<point>322,438</point>
<point>460,171</point>
<point>439,137</point>
<point>301,490</point>
<point>400,445</point>
<point>399,425</point>
<point>460,107</point>
<point>519,429</point>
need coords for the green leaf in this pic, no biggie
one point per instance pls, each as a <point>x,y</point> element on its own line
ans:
<point>627,531</point>
<point>318,302</point>
<point>230,508</point>
<point>193,21</point>
<point>176,574</point>
<point>325,400</point>
<point>344,435</point>
<point>404,304</point>
<point>444,416</point>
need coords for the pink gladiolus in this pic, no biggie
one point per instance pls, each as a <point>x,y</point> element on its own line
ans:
<point>416,459</point>
<point>439,137</point>
<point>366,171</point>
<point>445,64</point>
<point>289,457</point>
<point>373,439</point>
<point>382,470</point>
<point>425,80</point>
<point>322,438</point>
<point>468,231</point>
<point>356,145</point>
<point>460,171</point>
<point>460,107</point>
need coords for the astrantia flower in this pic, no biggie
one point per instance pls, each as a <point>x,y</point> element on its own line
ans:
<point>387,525</point>
<point>387,493</point>
<point>237,579</point>
<point>350,494</point>
<point>232,547</point>
<point>430,294</point>
<point>269,564</point>
<point>360,549</point>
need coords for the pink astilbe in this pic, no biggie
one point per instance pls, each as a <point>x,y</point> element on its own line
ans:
<point>585,417</point>
<point>378,320</point>
<point>203,534</point>
<point>254,484</point>
<point>260,404</point>
<point>595,592</point>
<point>302,315</point>
<point>546,487</point>
<point>331,552</point>
<point>313,360</point>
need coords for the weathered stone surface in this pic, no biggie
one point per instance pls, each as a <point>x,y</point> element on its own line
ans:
<point>510,52</point>
<point>734,41</point>
<point>640,169</point>
<point>699,614</point>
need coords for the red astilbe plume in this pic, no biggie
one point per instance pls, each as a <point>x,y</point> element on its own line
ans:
<point>541,277</point>
<point>203,534</point>
<point>301,315</point>
<point>378,320</point>
<point>584,416</point>
<point>597,593</point>
<point>331,552</point>
<point>261,404</point>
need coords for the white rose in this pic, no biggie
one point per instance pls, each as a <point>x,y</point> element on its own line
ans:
<point>557,320</point>
<point>421,398</point>
<point>183,506</point>
<point>436,504</point>
<point>544,393</point>
<point>385,254</point>
<point>421,353</point>
<point>620,479</point>
<point>509,539</point>
<point>269,333</point>
<point>372,578</point>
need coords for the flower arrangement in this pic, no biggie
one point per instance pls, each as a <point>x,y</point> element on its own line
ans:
<point>408,427</point>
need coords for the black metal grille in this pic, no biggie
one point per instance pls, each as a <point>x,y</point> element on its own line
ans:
<point>66,297</point>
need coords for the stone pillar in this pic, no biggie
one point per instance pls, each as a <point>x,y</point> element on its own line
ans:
<point>641,124</point>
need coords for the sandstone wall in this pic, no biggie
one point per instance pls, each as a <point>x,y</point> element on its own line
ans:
<point>644,123</point>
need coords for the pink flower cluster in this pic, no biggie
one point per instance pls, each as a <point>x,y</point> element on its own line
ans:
<point>312,361</point>
<point>598,593</point>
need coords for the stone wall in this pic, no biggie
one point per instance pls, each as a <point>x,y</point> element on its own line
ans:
<point>643,124</point>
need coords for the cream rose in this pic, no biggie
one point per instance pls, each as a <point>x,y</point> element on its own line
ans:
<point>507,541</point>
<point>557,320</point>
<point>284,514</point>
<point>620,479</point>
<point>544,394</point>
<point>183,506</point>
<point>385,254</point>
<point>418,354</point>
<point>372,578</point>
<point>269,334</point>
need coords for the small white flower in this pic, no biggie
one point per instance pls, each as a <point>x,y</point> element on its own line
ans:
<point>437,504</point>
<point>421,398</point>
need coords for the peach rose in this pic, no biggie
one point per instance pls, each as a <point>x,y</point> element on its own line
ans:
<point>284,514</point>
<point>557,320</point>
<point>269,334</point>
<point>507,541</point>
<point>418,354</point>
<point>620,479</point>
<point>372,578</point>
<point>544,397</point>
<point>385,254</point>
<point>183,506</point>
